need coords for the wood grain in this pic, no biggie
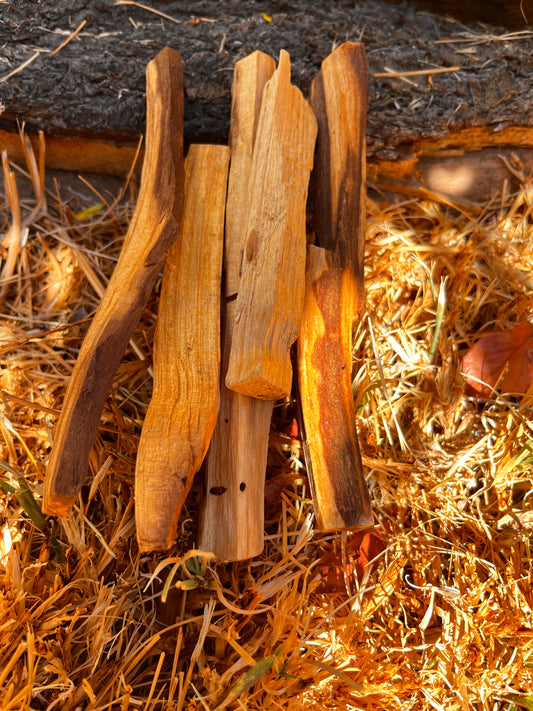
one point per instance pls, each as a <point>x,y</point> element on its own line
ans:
<point>338,98</point>
<point>153,229</point>
<point>232,519</point>
<point>184,406</point>
<point>250,77</point>
<point>270,298</point>
<point>333,460</point>
<point>335,294</point>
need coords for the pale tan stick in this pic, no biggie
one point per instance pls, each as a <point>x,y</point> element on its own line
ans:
<point>335,293</point>
<point>153,229</point>
<point>232,522</point>
<point>16,235</point>
<point>250,77</point>
<point>184,406</point>
<point>232,519</point>
<point>270,298</point>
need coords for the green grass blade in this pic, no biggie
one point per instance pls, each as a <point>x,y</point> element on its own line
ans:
<point>253,674</point>
<point>7,487</point>
<point>25,497</point>
<point>525,702</point>
<point>441,308</point>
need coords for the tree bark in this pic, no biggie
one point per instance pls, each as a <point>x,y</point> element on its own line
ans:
<point>94,87</point>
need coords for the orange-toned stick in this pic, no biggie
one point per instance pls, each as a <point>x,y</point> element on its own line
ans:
<point>271,289</point>
<point>184,406</point>
<point>334,293</point>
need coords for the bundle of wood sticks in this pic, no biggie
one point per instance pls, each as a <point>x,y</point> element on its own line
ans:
<point>240,285</point>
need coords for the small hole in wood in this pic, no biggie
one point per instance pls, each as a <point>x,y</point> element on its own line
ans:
<point>242,486</point>
<point>217,490</point>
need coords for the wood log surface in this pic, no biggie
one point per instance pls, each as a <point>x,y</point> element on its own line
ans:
<point>153,229</point>
<point>184,405</point>
<point>92,87</point>
<point>232,519</point>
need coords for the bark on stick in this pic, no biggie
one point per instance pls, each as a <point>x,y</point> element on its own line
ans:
<point>335,293</point>
<point>153,229</point>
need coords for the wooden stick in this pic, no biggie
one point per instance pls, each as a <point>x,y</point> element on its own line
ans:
<point>334,294</point>
<point>338,98</point>
<point>232,520</point>
<point>332,454</point>
<point>153,228</point>
<point>184,406</point>
<point>249,80</point>
<point>269,303</point>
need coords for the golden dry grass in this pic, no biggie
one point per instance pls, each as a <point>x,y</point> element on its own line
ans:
<point>444,617</point>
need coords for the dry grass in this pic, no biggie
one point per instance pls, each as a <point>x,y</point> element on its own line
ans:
<point>444,617</point>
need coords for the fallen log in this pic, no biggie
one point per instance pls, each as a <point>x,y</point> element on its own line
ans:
<point>90,91</point>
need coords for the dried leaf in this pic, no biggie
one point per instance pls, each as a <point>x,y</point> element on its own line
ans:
<point>507,356</point>
<point>361,549</point>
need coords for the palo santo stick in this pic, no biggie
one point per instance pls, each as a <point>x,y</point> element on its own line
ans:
<point>338,98</point>
<point>232,521</point>
<point>153,229</point>
<point>333,461</point>
<point>249,80</point>
<point>269,303</point>
<point>184,406</point>
<point>334,293</point>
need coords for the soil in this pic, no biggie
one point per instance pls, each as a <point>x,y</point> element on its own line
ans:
<point>94,86</point>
